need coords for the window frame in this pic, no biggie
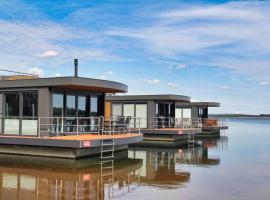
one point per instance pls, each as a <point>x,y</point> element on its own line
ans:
<point>21,116</point>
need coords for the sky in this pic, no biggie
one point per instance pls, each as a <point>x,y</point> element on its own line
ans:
<point>209,50</point>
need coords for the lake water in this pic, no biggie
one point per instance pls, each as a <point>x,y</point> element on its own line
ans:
<point>236,166</point>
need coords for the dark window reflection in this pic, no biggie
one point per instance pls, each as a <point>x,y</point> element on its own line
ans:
<point>71,105</point>
<point>82,106</point>
<point>30,104</point>
<point>58,104</point>
<point>94,106</point>
<point>12,105</point>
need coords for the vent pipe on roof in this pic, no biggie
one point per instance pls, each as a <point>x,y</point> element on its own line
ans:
<point>75,67</point>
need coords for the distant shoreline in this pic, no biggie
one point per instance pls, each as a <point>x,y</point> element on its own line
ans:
<point>240,116</point>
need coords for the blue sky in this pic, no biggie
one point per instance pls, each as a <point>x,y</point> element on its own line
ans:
<point>209,50</point>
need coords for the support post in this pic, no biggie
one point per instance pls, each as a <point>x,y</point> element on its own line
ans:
<point>77,125</point>
<point>39,127</point>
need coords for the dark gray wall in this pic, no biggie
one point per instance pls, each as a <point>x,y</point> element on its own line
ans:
<point>151,112</point>
<point>44,102</point>
<point>194,112</point>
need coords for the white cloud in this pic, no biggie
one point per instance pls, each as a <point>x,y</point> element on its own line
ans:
<point>36,71</point>
<point>57,74</point>
<point>172,85</point>
<point>110,73</point>
<point>102,77</point>
<point>151,81</point>
<point>236,30</point>
<point>225,12</point>
<point>48,54</point>
<point>264,83</point>
<point>181,66</point>
<point>22,43</point>
<point>224,87</point>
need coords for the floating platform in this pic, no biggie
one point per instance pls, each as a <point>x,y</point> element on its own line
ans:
<point>167,137</point>
<point>73,146</point>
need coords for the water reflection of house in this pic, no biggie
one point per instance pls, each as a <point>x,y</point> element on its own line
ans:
<point>200,154</point>
<point>91,182</point>
<point>159,164</point>
<point>158,167</point>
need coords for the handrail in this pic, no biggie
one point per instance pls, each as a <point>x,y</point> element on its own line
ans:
<point>56,126</point>
<point>121,124</point>
<point>18,73</point>
<point>174,122</point>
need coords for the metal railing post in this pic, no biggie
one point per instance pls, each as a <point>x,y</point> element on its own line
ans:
<point>110,125</point>
<point>39,127</point>
<point>77,125</point>
<point>57,124</point>
<point>62,124</point>
<point>103,124</point>
<point>98,125</point>
<point>139,125</point>
<point>129,124</point>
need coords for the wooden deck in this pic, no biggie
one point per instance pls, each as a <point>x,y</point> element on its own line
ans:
<point>94,137</point>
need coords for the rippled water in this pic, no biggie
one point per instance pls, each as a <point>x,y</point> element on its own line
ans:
<point>236,166</point>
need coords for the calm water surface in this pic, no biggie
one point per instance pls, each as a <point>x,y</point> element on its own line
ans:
<point>236,166</point>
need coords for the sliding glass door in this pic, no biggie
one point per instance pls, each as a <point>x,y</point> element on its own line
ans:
<point>131,110</point>
<point>12,114</point>
<point>29,113</point>
<point>141,112</point>
<point>21,113</point>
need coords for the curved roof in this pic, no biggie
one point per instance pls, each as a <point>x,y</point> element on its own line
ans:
<point>160,97</point>
<point>77,83</point>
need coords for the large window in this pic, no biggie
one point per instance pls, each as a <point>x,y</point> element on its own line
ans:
<point>179,113</point>
<point>116,109</point>
<point>30,101</point>
<point>82,106</point>
<point>132,110</point>
<point>129,110</point>
<point>30,110</point>
<point>183,113</point>
<point>12,105</point>
<point>94,106</point>
<point>203,112</point>
<point>141,112</point>
<point>58,104</point>
<point>21,110</point>
<point>186,112</point>
<point>12,113</point>
<point>165,109</point>
<point>71,105</point>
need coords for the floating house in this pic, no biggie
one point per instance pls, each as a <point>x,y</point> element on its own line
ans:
<point>166,115</point>
<point>61,112</point>
<point>150,106</point>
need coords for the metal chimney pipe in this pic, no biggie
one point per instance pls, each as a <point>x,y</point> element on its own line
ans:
<point>75,67</point>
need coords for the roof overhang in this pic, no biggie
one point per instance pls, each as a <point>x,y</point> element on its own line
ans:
<point>76,83</point>
<point>200,104</point>
<point>163,97</point>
